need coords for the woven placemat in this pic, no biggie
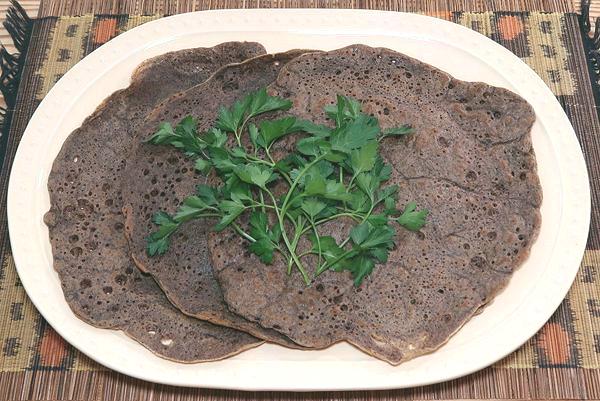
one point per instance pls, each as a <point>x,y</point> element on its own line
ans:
<point>561,362</point>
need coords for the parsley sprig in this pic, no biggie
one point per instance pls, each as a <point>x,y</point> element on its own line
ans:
<point>331,173</point>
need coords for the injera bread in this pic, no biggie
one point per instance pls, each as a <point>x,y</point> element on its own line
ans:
<point>160,177</point>
<point>100,282</point>
<point>470,162</point>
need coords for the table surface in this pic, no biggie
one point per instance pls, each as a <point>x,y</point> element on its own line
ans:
<point>33,7</point>
<point>44,377</point>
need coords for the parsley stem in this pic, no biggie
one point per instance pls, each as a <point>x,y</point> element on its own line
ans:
<point>261,204</point>
<point>237,138</point>
<point>369,212</point>
<point>241,232</point>
<point>269,154</point>
<point>238,133</point>
<point>285,176</point>
<point>297,180</point>
<point>283,173</point>
<point>326,266</point>
<point>274,164</point>
<point>353,216</point>
<point>291,219</point>
<point>196,216</point>
<point>204,155</point>
<point>318,238</point>
<point>262,200</point>
<point>297,236</point>
<point>342,182</point>
<point>280,216</point>
<point>258,160</point>
<point>175,226</point>
<point>168,232</point>
<point>274,203</point>
<point>286,240</point>
<point>352,180</point>
<point>295,198</point>
<point>344,242</point>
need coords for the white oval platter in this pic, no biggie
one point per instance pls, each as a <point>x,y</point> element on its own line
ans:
<point>534,292</point>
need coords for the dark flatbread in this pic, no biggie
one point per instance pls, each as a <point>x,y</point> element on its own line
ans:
<point>160,177</point>
<point>470,162</point>
<point>100,282</point>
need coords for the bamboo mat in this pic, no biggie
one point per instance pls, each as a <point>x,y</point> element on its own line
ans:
<point>53,8</point>
<point>561,362</point>
<point>30,6</point>
<point>63,7</point>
